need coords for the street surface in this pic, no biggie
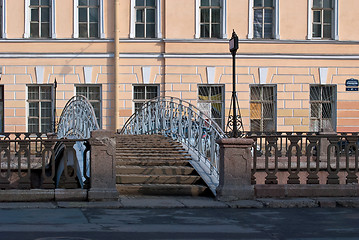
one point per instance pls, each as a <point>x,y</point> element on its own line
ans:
<point>205,223</point>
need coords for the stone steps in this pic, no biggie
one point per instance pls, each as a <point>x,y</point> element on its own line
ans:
<point>155,170</point>
<point>163,189</point>
<point>156,179</point>
<point>155,165</point>
<point>152,162</point>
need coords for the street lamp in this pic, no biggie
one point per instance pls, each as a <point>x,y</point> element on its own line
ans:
<point>234,125</point>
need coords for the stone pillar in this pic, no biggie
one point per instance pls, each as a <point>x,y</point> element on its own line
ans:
<point>235,169</point>
<point>324,143</point>
<point>103,175</point>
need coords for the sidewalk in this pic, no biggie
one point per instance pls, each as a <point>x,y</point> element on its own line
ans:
<point>190,202</point>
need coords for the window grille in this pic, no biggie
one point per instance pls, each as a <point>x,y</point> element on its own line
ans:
<point>322,108</point>
<point>211,102</point>
<point>263,105</point>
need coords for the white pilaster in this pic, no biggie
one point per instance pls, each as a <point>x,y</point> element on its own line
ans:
<point>102,20</point>
<point>310,19</point>
<point>197,19</point>
<point>133,19</point>
<point>250,19</point>
<point>276,20</point>
<point>3,30</point>
<point>224,19</point>
<point>158,19</point>
<point>53,19</point>
<point>76,20</point>
<point>27,19</point>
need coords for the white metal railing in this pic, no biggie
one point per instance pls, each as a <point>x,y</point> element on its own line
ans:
<point>185,123</point>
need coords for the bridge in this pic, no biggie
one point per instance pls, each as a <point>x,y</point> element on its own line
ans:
<point>182,122</point>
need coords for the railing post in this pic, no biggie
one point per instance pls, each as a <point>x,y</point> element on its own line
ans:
<point>235,169</point>
<point>171,117</point>
<point>180,116</point>
<point>103,176</point>
<point>189,125</point>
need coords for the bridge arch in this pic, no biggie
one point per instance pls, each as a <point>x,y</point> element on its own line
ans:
<point>185,123</point>
<point>77,121</point>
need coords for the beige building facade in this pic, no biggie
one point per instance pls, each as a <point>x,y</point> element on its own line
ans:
<point>297,65</point>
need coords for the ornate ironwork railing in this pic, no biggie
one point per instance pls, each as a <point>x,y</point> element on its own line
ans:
<point>185,123</point>
<point>27,162</point>
<point>311,158</point>
<point>78,119</point>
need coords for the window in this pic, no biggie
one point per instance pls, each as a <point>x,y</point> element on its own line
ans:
<point>210,23</point>
<point>211,102</point>
<point>263,18</point>
<point>143,93</point>
<point>88,11</point>
<point>145,19</point>
<point>40,108</point>
<point>40,18</point>
<point>263,105</point>
<point>1,108</point>
<point>323,19</point>
<point>93,95</point>
<point>322,108</point>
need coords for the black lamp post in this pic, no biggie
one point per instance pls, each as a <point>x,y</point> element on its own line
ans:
<point>235,121</point>
<point>54,117</point>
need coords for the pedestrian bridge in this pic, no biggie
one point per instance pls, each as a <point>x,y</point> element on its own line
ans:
<point>183,122</point>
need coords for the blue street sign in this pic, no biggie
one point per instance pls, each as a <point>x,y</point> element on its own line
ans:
<point>352,82</point>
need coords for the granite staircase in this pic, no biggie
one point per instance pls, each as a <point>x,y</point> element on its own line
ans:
<point>155,165</point>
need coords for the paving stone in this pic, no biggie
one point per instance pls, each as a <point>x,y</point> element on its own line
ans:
<point>201,202</point>
<point>150,202</point>
<point>105,204</point>
<point>289,203</point>
<point>326,202</point>
<point>245,204</point>
<point>27,205</point>
<point>348,202</point>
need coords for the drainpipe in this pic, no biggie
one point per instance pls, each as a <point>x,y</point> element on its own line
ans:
<point>117,64</point>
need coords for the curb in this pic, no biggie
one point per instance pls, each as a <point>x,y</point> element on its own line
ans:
<point>147,202</point>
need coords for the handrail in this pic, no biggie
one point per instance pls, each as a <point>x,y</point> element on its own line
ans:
<point>185,123</point>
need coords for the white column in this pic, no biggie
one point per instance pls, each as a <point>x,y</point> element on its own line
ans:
<point>102,20</point>
<point>197,18</point>
<point>158,19</point>
<point>133,18</point>
<point>276,27</point>
<point>27,19</point>
<point>310,17</point>
<point>224,19</point>
<point>76,19</point>
<point>250,19</point>
<point>53,19</point>
<point>3,30</point>
<point>336,20</point>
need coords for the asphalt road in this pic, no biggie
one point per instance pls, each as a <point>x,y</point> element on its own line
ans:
<point>207,223</point>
